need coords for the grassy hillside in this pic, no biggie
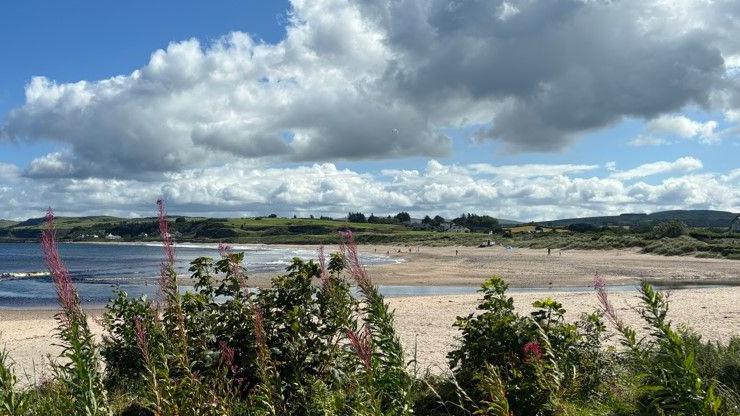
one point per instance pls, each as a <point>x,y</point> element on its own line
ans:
<point>7,223</point>
<point>703,242</point>
<point>692,218</point>
<point>236,230</point>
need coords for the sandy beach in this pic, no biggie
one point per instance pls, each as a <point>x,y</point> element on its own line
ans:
<point>425,322</point>
<point>522,267</point>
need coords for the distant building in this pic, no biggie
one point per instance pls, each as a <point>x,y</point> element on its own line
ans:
<point>735,224</point>
<point>454,228</point>
<point>522,229</point>
<point>112,237</point>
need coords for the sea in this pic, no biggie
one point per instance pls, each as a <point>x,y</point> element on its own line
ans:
<point>98,270</point>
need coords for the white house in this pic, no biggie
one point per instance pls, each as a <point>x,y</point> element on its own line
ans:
<point>451,227</point>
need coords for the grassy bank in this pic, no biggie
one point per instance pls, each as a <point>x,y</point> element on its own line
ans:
<point>698,242</point>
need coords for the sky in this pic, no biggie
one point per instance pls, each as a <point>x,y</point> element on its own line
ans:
<point>525,110</point>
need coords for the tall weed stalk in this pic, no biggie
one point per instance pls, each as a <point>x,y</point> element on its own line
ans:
<point>79,369</point>
<point>388,365</point>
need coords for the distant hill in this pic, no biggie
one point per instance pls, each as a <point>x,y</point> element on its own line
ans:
<point>67,221</point>
<point>692,218</point>
<point>506,223</point>
<point>7,223</point>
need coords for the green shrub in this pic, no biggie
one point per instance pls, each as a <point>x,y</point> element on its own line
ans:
<point>665,365</point>
<point>538,359</point>
<point>119,348</point>
<point>720,362</point>
<point>671,229</point>
<point>13,403</point>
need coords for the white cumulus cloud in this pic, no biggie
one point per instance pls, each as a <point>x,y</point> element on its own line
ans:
<point>684,127</point>
<point>375,80</point>
<point>325,189</point>
<point>684,164</point>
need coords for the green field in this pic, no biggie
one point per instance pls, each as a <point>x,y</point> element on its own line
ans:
<point>7,223</point>
<point>237,230</point>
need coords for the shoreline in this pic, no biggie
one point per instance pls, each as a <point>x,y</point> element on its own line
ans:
<point>414,265</point>
<point>391,293</point>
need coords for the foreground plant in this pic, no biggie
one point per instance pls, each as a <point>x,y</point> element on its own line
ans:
<point>378,344</point>
<point>13,403</point>
<point>80,370</point>
<point>670,382</point>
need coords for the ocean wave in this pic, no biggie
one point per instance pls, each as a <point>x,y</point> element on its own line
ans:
<point>22,275</point>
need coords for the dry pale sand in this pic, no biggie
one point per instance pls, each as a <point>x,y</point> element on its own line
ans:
<point>424,322</point>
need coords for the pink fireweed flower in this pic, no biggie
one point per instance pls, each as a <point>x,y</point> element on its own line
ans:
<point>603,296</point>
<point>532,351</point>
<point>260,341</point>
<point>142,340</point>
<point>224,249</point>
<point>69,301</point>
<point>234,267</point>
<point>324,276</point>
<point>259,327</point>
<point>167,268</point>
<point>361,343</point>
<point>168,246</point>
<point>348,247</point>
<point>227,355</point>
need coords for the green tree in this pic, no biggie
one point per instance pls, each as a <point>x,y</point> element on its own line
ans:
<point>356,217</point>
<point>403,216</point>
<point>478,223</point>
